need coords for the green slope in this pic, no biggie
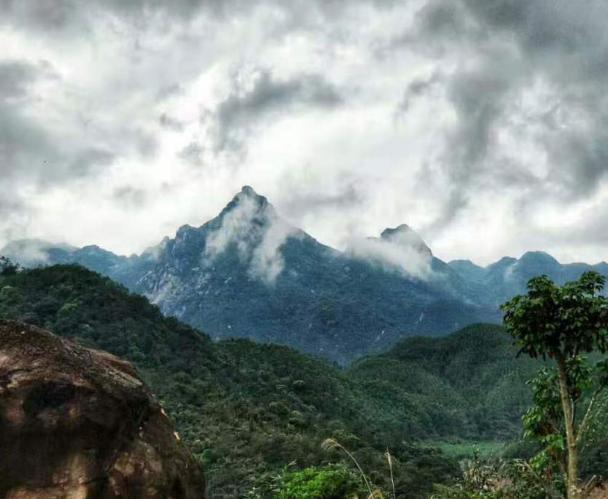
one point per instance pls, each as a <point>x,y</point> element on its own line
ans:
<point>248,409</point>
<point>244,409</point>
<point>470,384</point>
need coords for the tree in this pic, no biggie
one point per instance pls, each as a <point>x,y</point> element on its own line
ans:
<point>7,267</point>
<point>560,324</point>
<point>319,483</point>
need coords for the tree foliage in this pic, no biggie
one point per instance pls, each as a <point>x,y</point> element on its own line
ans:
<point>7,267</point>
<point>561,323</point>
<point>332,482</point>
<point>502,479</point>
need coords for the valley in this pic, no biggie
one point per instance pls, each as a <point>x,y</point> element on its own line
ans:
<point>247,409</point>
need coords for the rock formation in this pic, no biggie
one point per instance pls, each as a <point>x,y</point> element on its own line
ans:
<point>80,423</point>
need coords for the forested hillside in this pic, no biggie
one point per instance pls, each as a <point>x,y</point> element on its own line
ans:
<point>244,409</point>
<point>248,409</point>
<point>469,384</point>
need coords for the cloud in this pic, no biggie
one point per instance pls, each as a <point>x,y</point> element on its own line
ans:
<point>399,249</point>
<point>264,97</point>
<point>32,156</point>
<point>258,234</point>
<point>13,215</point>
<point>391,256</point>
<point>193,153</point>
<point>507,50</point>
<point>267,259</point>
<point>18,135</point>
<point>417,88</point>
<point>15,77</point>
<point>170,123</point>
<point>28,150</point>
<point>27,146</point>
<point>234,229</point>
<point>72,17</point>
<point>303,202</point>
<point>30,252</point>
<point>130,196</point>
<point>456,116</point>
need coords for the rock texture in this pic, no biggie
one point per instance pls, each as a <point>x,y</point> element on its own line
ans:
<point>80,423</point>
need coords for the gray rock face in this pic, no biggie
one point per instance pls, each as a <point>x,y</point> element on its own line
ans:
<point>80,423</point>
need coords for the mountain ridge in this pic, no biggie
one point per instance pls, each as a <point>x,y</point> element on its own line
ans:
<point>248,273</point>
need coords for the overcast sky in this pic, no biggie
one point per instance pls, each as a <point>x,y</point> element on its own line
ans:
<point>483,124</point>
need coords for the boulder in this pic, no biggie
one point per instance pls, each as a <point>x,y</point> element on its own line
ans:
<point>80,423</point>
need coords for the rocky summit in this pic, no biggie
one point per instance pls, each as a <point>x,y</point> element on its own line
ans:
<point>78,423</point>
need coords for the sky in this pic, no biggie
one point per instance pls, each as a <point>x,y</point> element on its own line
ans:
<point>482,124</point>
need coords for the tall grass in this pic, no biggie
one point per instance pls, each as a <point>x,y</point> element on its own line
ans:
<point>373,493</point>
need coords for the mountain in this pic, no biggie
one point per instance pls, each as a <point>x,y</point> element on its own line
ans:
<point>509,276</point>
<point>35,253</point>
<point>470,384</point>
<point>247,409</point>
<point>468,270</point>
<point>247,273</point>
<point>405,236</point>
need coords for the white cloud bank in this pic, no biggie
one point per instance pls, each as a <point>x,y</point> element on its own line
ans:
<point>481,123</point>
<point>398,249</point>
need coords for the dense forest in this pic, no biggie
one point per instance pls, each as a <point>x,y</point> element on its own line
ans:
<point>255,414</point>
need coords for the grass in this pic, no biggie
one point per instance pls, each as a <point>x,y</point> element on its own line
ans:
<point>467,449</point>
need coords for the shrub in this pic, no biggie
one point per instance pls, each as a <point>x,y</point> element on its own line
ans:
<point>319,483</point>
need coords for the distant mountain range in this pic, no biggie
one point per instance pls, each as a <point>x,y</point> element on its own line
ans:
<point>248,273</point>
<point>509,276</point>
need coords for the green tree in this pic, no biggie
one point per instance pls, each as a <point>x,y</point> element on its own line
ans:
<point>319,483</point>
<point>7,267</point>
<point>560,323</point>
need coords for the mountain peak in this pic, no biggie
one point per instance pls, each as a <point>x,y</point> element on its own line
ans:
<point>539,257</point>
<point>248,202</point>
<point>404,235</point>
<point>251,199</point>
<point>400,229</point>
<point>247,190</point>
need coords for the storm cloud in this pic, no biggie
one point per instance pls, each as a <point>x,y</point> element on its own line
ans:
<point>266,97</point>
<point>530,75</point>
<point>480,123</point>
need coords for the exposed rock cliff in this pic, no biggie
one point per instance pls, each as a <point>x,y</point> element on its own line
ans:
<point>80,423</point>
